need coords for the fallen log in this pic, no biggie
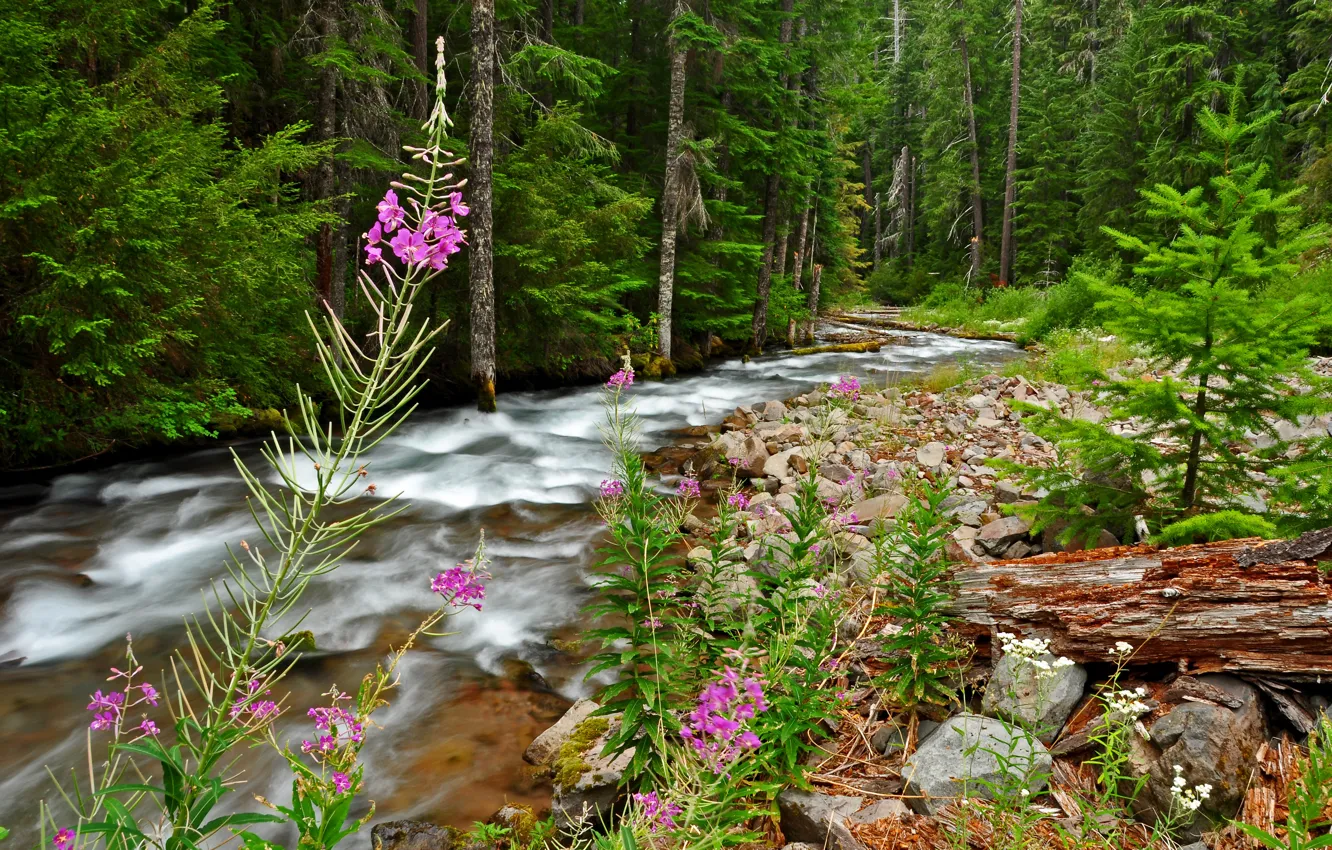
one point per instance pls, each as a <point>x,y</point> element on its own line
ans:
<point>1243,606</point>
<point>845,347</point>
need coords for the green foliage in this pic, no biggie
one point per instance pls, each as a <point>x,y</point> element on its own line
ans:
<point>1227,346</point>
<point>1307,799</point>
<point>921,659</point>
<point>1222,525</point>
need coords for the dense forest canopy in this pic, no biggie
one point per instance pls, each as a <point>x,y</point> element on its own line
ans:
<point>181,182</point>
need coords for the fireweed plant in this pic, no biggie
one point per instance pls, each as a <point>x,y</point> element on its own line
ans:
<point>170,759</point>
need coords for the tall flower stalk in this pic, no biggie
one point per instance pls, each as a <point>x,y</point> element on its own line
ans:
<point>309,515</point>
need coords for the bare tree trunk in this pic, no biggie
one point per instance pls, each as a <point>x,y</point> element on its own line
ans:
<point>897,31</point>
<point>783,239</point>
<point>878,233</point>
<point>977,217</point>
<point>771,199</point>
<point>911,210</point>
<point>578,13</point>
<point>670,201</point>
<point>547,92</point>
<point>867,176</point>
<point>325,181</point>
<point>798,259</point>
<point>420,35</point>
<point>1010,180</point>
<point>481,237</point>
<point>816,281</point>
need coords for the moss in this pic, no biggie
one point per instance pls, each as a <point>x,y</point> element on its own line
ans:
<point>520,820</point>
<point>569,765</point>
<point>846,347</point>
<point>303,641</point>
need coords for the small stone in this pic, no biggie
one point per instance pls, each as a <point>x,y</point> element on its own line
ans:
<point>883,809</point>
<point>931,455</point>
<point>548,743</point>
<point>836,472</point>
<point>412,835</point>
<point>770,411</point>
<point>960,760</point>
<point>1006,492</point>
<point>997,536</point>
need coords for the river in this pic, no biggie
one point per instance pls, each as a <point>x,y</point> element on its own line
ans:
<point>95,556</point>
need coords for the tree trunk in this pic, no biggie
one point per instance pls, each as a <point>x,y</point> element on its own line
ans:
<point>812,303</point>
<point>670,200</point>
<point>479,189</point>
<point>911,209</point>
<point>867,176</point>
<point>420,35</point>
<point>798,260</point>
<point>977,214</point>
<point>771,198</point>
<point>783,240</point>
<point>578,13</point>
<point>897,31</point>
<point>878,233</point>
<point>1239,605</point>
<point>1010,180</point>
<point>325,181</point>
<point>547,91</point>
<point>1190,493</point>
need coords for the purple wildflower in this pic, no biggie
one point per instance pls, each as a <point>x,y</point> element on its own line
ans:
<point>621,379</point>
<point>390,213</point>
<point>341,782</point>
<point>456,205</point>
<point>653,623</point>
<point>688,489</point>
<point>102,721</point>
<point>739,501</point>
<point>657,812</point>
<point>148,727</point>
<point>110,703</point>
<point>409,246</point>
<point>715,726</point>
<point>460,586</point>
<point>63,839</point>
<point>735,461</point>
<point>149,693</point>
<point>612,488</point>
<point>848,387</point>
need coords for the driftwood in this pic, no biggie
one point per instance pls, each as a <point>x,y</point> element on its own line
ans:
<point>1242,606</point>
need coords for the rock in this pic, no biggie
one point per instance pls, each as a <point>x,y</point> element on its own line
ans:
<point>931,455</point>
<point>818,819</point>
<point>779,465</point>
<point>969,513</point>
<point>836,472</point>
<point>548,743</point>
<point>412,835</point>
<point>1214,745</point>
<point>783,501</point>
<point>879,507</point>
<point>890,737</point>
<point>1006,492</point>
<point>959,760</point>
<point>883,809</point>
<point>1016,693</point>
<point>770,411</point>
<point>858,459</point>
<point>729,588</point>
<point>693,524</point>
<point>1019,550</point>
<point>886,477</point>
<point>760,499</point>
<point>751,451</point>
<point>998,535</point>
<point>519,820</point>
<point>586,783</point>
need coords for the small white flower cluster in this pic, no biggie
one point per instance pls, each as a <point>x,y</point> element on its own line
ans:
<point>1128,704</point>
<point>1123,648</point>
<point>1031,652</point>
<point>1188,799</point>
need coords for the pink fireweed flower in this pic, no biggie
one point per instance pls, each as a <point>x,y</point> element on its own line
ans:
<point>456,205</point>
<point>409,246</point>
<point>658,813</point>
<point>735,461</point>
<point>848,387</point>
<point>621,379</point>
<point>375,234</point>
<point>390,213</point>
<point>739,501</point>
<point>715,728</point>
<point>688,489</point>
<point>110,703</point>
<point>63,839</point>
<point>653,623</point>
<point>102,721</point>
<point>149,693</point>
<point>341,782</point>
<point>148,727</point>
<point>612,488</point>
<point>373,255</point>
<point>460,586</point>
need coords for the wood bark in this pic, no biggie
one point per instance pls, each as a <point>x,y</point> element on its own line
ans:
<point>867,177</point>
<point>798,258</point>
<point>1240,605</point>
<point>325,178</point>
<point>1010,179</point>
<point>420,37</point>
<point>812,303</point>
<point>977,216</point>
<point>783,241</point>
<point>771,202</point>
<point>479,189</point>
<point>670,200</point>
<point>578,13</point>
<point>546,96</point>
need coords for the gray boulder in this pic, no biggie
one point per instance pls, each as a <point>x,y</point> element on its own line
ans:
<point>547,745</point>
<point>973,756</point>
<point>931,455</point>
<point>818,819</point>
<point>995,537</point>
<point>1214,745</point>
<point>587,783</point>
<point>770,411</point>
<point>1018,693</point>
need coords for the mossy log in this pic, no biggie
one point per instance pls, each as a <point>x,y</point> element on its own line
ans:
<point>843,348</point>
<point>1242,606</point>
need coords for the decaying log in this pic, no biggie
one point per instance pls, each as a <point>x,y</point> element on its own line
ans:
<point>1242,606</point>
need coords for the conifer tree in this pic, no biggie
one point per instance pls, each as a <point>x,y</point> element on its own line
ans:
<point>1228,350</point>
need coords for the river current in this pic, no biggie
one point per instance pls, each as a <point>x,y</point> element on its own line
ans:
<point>89,558</point>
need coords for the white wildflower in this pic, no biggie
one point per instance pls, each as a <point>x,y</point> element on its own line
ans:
<point>1128,704</point>
<point>1123,648</point>
<point>1187,799</point>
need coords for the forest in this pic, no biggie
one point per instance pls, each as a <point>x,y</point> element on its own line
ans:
<point>182,182</point>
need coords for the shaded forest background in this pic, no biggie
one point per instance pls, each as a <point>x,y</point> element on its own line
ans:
<point>181,182</point>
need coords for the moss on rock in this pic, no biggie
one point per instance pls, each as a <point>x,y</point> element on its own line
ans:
<point>569,765</point>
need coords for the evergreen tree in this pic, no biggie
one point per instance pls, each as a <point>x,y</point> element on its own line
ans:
<point>1229,350</point>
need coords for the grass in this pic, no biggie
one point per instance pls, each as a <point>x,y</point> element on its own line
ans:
<point>1005,311</point>
<point>1072,357</point>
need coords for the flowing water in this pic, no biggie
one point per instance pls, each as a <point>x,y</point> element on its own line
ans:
<point>126,550</point>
